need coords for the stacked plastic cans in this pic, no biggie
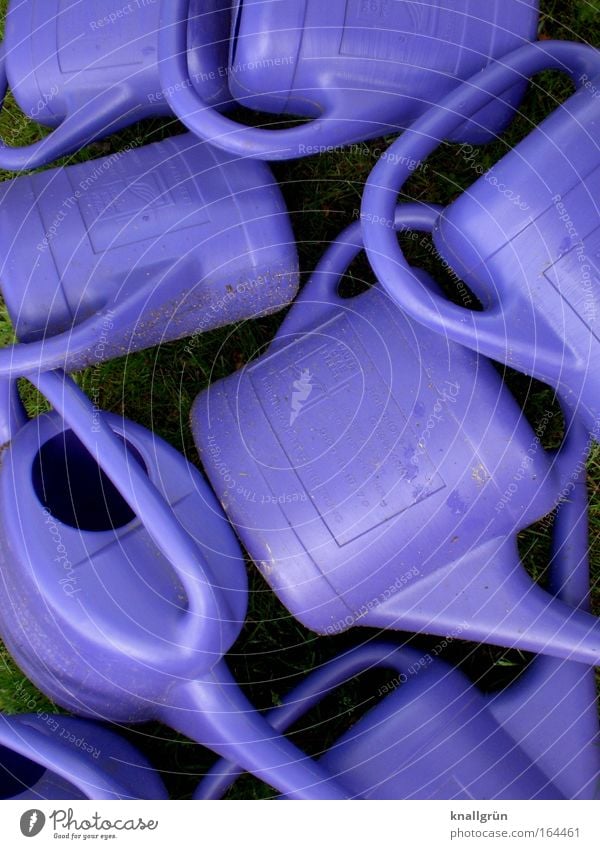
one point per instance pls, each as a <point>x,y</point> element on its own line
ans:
<point>371,461</point>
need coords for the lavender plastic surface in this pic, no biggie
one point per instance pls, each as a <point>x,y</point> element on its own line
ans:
<point>378,473</point>
<point>13,415</point>
<point>435,736</point>
<point>552,709</point>
<point>62,757</point>
<point>525,237</point>
<point>109,256</point>
<point>89,68</point>
<point>111,604</point>
<point>360,69</point>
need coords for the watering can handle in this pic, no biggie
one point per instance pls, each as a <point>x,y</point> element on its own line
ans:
<point>315,687</point>
<point>390,173</point>
<point>206,607</point>
<point>321,290</point>
<point>78,129</point>
<point>210,125</point>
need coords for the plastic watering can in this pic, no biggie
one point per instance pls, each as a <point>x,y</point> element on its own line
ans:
<point>61,757</point>
<point>359,68</point>
<point>110,604</point>
<point>435,735</point>
<point>525,237</point>
<point>122,253</point>
<point>88,68</point>
<point>378,473</point>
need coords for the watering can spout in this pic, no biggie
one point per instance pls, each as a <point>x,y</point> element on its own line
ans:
<point>214,712</point>
<point>80,129</point>
<point>555,694</point>
<point>570,574</point>
<point>487,596</point>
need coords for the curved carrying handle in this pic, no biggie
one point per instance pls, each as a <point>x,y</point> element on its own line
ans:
<point>206,605</point>
<point>321,291</point>
<point>36,746</point>
<point>315,687</point>
<point>210,125</point>
<point>390,173</point>
<point>90,120</point>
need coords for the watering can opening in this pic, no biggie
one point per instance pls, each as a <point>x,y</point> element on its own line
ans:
<point>70,487</point>
<point>73,488</point>
<point>138,657</point>
<point>17,773</point>
<point>147,585</point>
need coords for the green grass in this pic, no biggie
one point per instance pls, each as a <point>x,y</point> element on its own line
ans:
<point>157,388</point>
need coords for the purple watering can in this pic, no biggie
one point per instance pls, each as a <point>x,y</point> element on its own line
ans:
<point>360,68</point>
<point>89,68</point>
<point>525,237</point>
<point>126,252</point>
<point>378,474</point>
<point>110,604</point>
<point>436,736</point>
<point>62,757</point>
